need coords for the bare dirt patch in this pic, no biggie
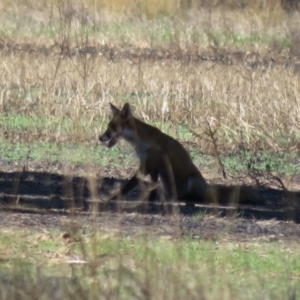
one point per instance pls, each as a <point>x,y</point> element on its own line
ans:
<point>39,199</point>
<point>228,57</point>
<point>134,224</point>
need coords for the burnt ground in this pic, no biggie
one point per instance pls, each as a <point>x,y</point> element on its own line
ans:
<point>39,199</point>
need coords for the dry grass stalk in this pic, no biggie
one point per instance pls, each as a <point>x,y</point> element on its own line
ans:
<point>265,106</point>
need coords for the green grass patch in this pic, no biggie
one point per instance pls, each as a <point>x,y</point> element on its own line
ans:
<point>123,156</point>
<point>281,163</point>
<point>65,153</point>
<point>37,123</point>
<point>146,267</point>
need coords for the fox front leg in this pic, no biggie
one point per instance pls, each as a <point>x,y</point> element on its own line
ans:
<point>144,170</point>
<point>130,185</point>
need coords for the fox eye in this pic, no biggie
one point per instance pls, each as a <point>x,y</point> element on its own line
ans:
<point>114,127</point>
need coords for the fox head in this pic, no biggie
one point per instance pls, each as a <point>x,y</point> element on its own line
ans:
<point>120,121</point>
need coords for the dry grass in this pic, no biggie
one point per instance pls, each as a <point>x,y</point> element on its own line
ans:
<point>258,109</point>
<point>148,23</point>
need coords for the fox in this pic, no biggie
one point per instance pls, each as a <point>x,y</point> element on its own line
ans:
<point>161,157</point>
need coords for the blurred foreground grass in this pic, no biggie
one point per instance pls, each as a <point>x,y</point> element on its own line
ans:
<point>95,266</point>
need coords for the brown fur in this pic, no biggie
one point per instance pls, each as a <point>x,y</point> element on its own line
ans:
<point>161,156</point>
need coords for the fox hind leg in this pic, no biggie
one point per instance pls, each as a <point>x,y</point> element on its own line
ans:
<point>153,193</point>
<point>196,189</point>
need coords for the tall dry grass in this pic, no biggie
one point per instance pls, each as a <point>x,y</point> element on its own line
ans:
<point>150,9</point>
<point>258,108</point>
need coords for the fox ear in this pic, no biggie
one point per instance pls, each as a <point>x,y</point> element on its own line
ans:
<point>126,111</point>
<point>113,108</point>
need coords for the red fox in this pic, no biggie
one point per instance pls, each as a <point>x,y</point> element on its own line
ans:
<point>161,157</point>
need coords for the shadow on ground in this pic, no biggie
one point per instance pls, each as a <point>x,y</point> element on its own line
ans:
<point>53,193</point>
